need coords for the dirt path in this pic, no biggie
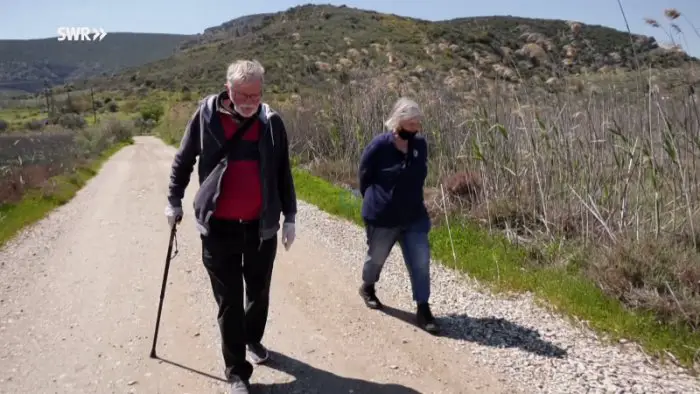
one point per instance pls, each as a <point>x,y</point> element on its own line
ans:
<point>79,292</point>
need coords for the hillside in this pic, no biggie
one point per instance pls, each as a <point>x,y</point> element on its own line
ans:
<point>27,64</point>
<point>235,27</point>
<point>306,46</point>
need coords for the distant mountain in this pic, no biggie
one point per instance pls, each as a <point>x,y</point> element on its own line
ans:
<point>309,46</point>
<point>27,64</point>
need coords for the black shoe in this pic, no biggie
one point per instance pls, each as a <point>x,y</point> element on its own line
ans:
<point>258,353</point>
<point>369,296</point>
<point>425,319</point>
<point>238,386</point>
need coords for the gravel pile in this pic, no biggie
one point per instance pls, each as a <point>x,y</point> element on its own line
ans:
<point>538,351</point>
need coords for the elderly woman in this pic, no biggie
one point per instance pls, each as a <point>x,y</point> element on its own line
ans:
<point>392,174</point>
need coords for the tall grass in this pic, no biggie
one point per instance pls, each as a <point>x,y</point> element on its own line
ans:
<point>591,174</point>
<point>601,178</point>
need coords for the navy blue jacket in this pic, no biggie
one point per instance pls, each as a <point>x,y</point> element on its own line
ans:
<point>391,183</point>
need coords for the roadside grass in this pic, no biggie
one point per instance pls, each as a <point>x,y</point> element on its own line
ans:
<point>37,203</point>
<point>493,260</point>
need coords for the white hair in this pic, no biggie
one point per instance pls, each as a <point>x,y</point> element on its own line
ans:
<point>245,70</point>
<point>404,109</point>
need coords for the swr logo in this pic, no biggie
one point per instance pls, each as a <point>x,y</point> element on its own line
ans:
<point>80,34</point>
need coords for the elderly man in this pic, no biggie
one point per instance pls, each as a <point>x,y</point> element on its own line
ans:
<point>245,184</point>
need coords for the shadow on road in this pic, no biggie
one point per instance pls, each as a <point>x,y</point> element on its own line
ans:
<point>310,380</point>
<point>173,363</point>
<point>491,331</point>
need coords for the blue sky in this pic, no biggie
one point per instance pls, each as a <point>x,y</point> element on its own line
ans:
<point>21,19</point>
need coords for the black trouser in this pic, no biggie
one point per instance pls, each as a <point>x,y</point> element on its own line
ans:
<point>232,252</point>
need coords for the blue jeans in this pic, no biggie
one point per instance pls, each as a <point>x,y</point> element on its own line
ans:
<point>416,254</point>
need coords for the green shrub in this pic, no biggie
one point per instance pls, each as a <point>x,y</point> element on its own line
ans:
<point>71,121</point>
<point>94,140</point>
<point>152,110</point>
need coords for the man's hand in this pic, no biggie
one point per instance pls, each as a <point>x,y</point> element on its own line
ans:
<point>174,215</point>
<point>288,235</point>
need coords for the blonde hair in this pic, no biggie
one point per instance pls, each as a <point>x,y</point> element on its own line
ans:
<point>404,109</point>
<point>245,70</point>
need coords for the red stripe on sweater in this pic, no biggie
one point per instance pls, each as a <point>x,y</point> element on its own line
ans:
<point>241,196</point>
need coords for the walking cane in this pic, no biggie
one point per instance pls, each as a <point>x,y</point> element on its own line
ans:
<point>173,230</point>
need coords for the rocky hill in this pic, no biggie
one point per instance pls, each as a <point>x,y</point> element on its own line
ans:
<point>235,27</point>
<point>26,65</point>
<point>309,46</point>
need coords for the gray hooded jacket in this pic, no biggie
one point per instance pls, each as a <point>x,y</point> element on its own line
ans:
<point>204,137</point>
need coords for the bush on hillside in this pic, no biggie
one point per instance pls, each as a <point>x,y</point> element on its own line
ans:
<point>71,121</point>
<point>94,140</point>
<point>35,125</point>
<point>144,126</point>
<point>76,105</point>
<point>152,111</point>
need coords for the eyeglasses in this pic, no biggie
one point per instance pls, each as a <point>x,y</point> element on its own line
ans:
<point>247,97</point>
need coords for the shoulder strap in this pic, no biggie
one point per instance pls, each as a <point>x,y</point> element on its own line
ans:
<point>237,136</point>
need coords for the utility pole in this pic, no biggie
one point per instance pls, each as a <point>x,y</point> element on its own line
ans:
<point>94,110</point>
<point>46,93</point>
<point>53,103</point>
<point>68,106</point>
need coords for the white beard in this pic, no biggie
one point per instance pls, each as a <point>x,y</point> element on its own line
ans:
<point>246,111</point>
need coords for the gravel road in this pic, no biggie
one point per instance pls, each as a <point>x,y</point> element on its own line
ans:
<point>79,293</point>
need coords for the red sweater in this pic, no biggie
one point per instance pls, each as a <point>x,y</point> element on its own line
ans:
<point>241,195</point>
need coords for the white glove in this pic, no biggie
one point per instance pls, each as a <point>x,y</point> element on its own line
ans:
<point>288,235</point>
<point>174,214</point>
